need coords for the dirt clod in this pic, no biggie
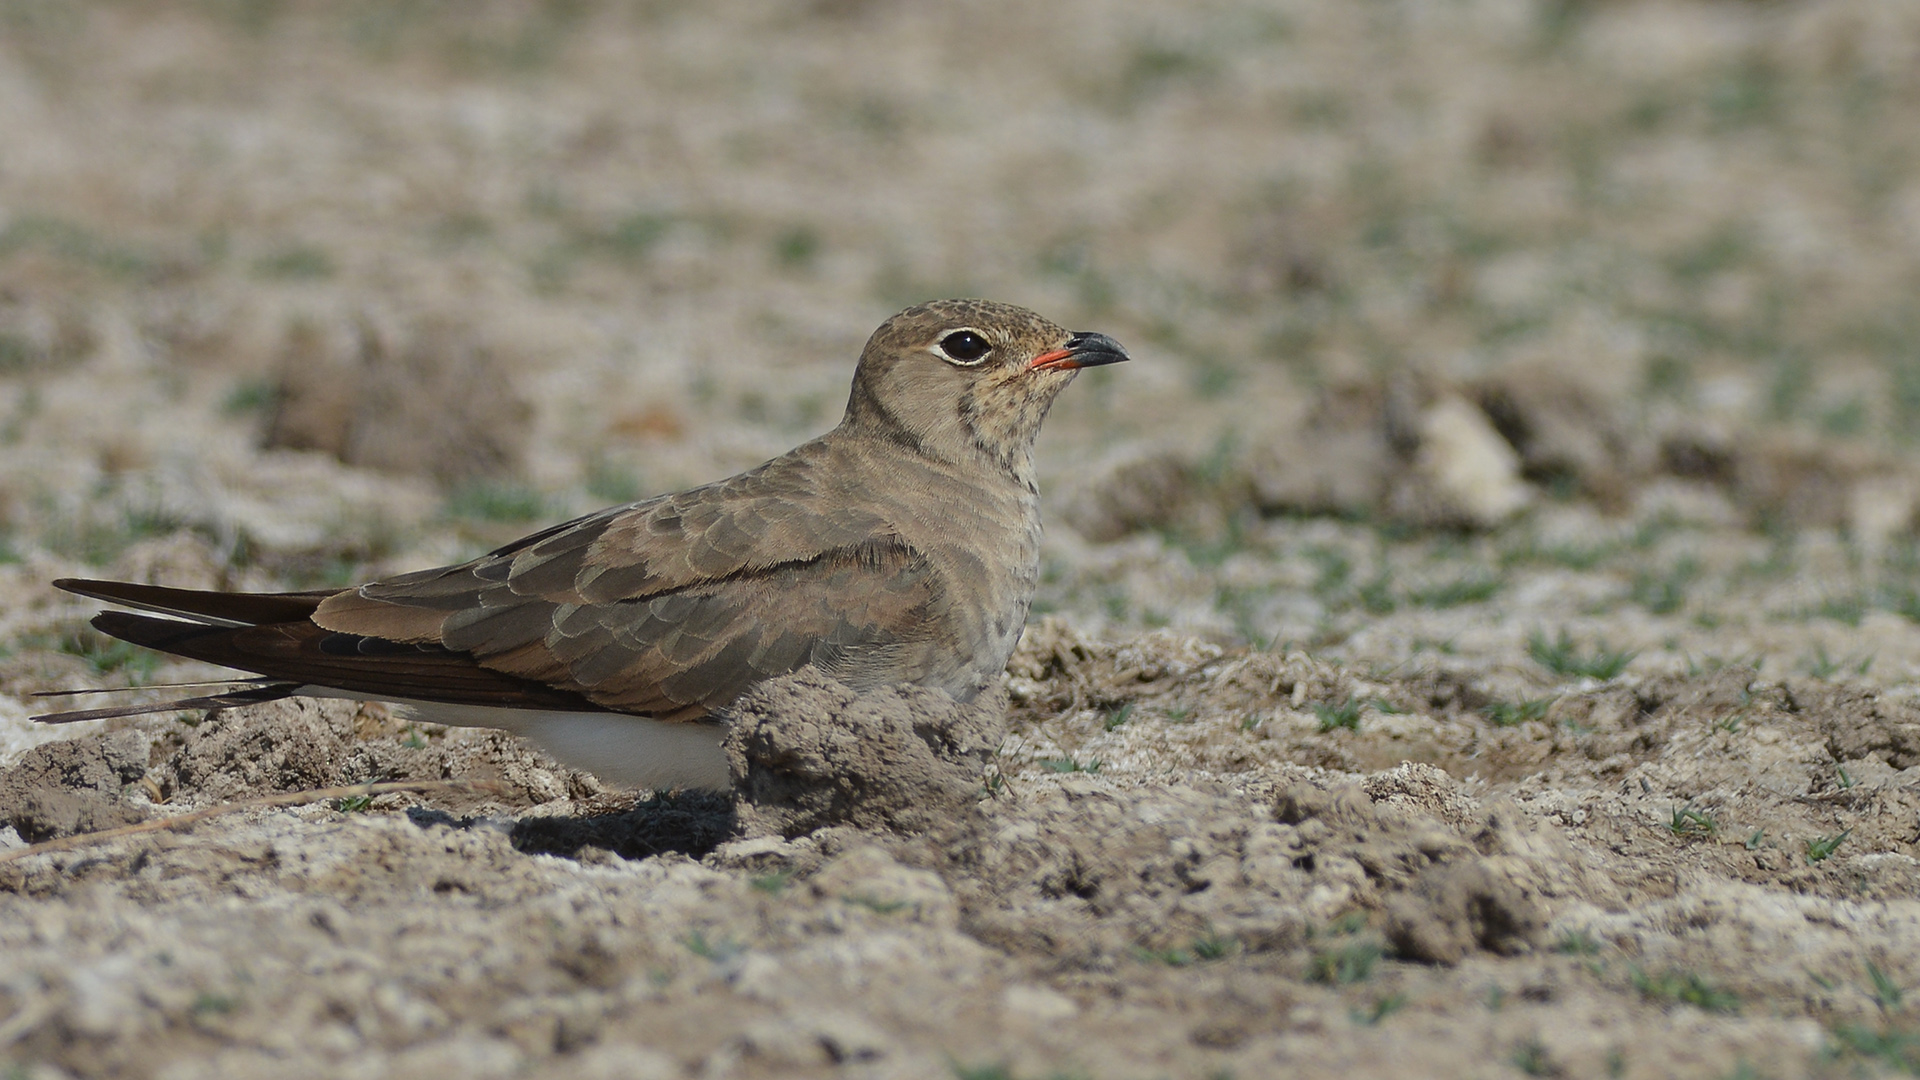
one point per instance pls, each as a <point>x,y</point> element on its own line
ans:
<point>287,745</point>
<point>431,399</point>
<point>73,786</point>
<point>1455,909</point>
<point>806,753</point>
<point>1146,492</point>
<point>1858,723</point>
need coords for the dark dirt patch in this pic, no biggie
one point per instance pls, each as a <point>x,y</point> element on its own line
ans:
<point>691,824</point>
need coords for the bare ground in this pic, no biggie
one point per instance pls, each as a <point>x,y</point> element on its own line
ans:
<point>1174,870</point>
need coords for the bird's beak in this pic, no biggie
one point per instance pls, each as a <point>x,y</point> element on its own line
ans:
<point>1081,350</point>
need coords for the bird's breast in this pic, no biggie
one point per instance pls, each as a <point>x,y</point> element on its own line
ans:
<point>981,541</point>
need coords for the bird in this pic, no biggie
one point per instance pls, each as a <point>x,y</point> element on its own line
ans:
<point>901,547</point>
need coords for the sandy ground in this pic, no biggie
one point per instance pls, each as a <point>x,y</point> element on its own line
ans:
<point>1477,634</point>
<point>1176,869</point>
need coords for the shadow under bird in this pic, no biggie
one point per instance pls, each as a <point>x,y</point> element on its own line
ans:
<point>903,546</point>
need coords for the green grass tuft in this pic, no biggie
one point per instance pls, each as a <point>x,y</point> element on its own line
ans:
<point>1384,1006</point>
<point>103,654</point>
<point>875,904</point>
<point>611,484</point>
<point>772,884</point>
<point>1685,988</point>
<point>250,396</point>
<point>1206,949</point>
<point>1562,657</point>
<point>211,1004</point>
<point>300,262</point>
<point>1688,822</point>
<point>1890,1047</point>
<point>1577,943</point>
<point>1344,715</point>
<point>1345,964</point>
<point>1887,994</point>
<point>1515,713</point>
<point>1822,848</point>
<point>1664,594</point>
<point>496,502</point>
<point>1531,1058</point>
<point>1472,589</point>
<point>717,950</point>
<point>797,248</point>
<point>1211,946</point>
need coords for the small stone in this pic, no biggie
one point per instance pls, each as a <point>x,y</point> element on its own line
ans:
<point>1037,1004</point>
<point>1473,471</point>
<point>868,877</point>
<point>615,1061</point>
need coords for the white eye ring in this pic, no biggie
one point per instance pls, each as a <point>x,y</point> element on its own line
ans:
<point>964,347</point>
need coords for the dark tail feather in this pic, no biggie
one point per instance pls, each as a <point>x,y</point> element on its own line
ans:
<point>299,653</point>
<point>208,608</point>
<point>149,686</point>
<point>252,695</point>
<point>164,635</point>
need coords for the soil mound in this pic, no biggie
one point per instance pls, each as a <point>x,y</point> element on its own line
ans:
<point>807,753</point>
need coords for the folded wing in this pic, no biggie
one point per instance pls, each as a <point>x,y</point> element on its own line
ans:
<point>668,608</point>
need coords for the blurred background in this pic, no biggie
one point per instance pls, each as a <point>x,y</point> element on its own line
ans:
<point>1465,331</point>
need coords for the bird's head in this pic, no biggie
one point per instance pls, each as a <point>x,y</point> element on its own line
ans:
<point>969,377</point>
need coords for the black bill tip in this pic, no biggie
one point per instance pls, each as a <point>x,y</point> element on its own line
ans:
<point>1082,350</point>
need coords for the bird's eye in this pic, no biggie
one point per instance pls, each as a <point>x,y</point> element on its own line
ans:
<point>965,346</point>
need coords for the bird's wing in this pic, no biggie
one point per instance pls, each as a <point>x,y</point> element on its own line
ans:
<point>675,605</point>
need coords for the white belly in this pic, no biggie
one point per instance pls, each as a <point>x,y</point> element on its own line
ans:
<point>628,751</point>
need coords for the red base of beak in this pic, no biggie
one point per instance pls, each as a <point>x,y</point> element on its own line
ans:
<point>1057,360</point>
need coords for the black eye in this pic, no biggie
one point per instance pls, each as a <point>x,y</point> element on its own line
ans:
<point>965,346</point>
